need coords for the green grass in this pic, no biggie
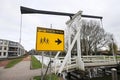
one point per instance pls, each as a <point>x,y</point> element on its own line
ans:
<point>13,62</point>
<point>35,64</point>
<point>118,57</point>
<point>53,77</point>
<point>36,78</point>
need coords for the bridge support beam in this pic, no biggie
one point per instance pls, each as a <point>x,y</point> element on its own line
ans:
<point>90,74</point>
<point>69,42</point>
<point>76,19</point>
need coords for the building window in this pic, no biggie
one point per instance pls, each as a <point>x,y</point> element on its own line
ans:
<point>5,48</point>
<point>0,47</point>
<point>0,54</point>
<point>1,42</point>
<point>12,43</point>
<point>5,42</point>
<point>4,53</point>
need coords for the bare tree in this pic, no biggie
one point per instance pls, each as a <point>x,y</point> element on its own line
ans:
<point>93,36</point>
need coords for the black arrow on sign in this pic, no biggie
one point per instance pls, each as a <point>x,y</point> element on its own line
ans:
<point>58,41</point>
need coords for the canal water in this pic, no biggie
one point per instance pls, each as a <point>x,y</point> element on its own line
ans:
<point>102,76</point>
<point>108,77</point>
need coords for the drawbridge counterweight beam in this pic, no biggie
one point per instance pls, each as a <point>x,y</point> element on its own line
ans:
<point>25,10</point>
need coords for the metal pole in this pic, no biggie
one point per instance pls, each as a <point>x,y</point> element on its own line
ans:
<point>20,29</point>
<point>50,66</point>
<point>50,59</point>
<point>42,67</point>
<point>114,74</point>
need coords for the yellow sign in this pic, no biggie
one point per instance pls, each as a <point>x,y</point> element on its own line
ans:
<point>49,39</point>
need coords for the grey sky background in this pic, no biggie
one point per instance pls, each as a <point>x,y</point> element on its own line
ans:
<point>10,17</point>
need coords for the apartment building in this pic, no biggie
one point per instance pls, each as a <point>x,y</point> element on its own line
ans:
<point>9,49</point>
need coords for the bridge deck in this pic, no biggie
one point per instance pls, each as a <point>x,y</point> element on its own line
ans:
<point>89,61</point>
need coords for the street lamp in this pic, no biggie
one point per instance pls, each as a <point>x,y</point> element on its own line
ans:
<point>20,29</point>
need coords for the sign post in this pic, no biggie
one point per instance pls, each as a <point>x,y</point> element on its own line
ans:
<point>42,77</point>
<point>49,40</point>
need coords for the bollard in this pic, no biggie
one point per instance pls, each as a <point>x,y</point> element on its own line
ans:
<point>114,74</point>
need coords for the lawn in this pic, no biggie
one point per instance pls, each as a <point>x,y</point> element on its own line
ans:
<point>13,62</point>
<point>53,77</point>
<point>35,64</point>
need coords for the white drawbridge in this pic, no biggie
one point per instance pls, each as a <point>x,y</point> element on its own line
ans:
<point>69,63</point>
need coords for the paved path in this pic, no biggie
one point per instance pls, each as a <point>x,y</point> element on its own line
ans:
<point>21,71</point>
<point>28,58</point>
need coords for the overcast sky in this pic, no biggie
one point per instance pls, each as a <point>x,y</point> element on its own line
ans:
<point>10,17</point>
